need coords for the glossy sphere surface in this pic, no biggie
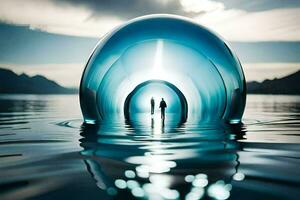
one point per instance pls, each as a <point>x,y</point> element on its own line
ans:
<point>160,49</point>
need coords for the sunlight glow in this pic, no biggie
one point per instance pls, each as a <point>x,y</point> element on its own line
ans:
<point>158,60</point>
<point>198,6</point>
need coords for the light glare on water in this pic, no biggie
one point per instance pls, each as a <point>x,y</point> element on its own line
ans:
<point>47,153</point>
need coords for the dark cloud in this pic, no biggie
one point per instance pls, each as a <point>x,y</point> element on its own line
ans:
<point>127,9</point>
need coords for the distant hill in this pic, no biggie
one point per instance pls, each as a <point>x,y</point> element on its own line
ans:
<point>287,85</point>
<point>11,83</point>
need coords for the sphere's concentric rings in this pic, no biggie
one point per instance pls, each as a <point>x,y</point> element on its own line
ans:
<point>170,49</point>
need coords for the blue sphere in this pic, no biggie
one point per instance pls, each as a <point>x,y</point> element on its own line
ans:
<point>163,56</point>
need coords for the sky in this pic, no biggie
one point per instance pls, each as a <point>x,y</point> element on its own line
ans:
<point>54,38</point>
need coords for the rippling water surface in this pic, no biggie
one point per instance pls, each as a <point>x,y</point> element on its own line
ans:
<point>46,153</point>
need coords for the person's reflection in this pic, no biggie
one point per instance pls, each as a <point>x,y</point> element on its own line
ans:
<point>163,125</point>
<point>157,130</point>
<point>152,122</point>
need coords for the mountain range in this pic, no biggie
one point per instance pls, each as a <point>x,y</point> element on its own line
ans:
<point>12,83</point>
<point>289,84</point>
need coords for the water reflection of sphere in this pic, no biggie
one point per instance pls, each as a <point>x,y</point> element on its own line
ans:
<point>170,49</point>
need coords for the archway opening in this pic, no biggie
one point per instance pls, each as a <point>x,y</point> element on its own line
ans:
<point>137,104</point>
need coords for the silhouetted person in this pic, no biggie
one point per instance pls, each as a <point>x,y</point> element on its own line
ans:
<point>162,107</point>
<point>152,105</point>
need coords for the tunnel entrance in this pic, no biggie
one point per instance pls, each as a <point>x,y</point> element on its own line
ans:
<point>138,101</point>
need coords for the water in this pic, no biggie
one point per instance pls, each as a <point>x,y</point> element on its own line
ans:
<point>46,153</point>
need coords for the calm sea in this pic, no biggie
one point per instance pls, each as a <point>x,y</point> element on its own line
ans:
<point>47,153</point>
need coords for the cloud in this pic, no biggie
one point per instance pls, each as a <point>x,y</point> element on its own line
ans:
<point>259,5</point>
<point>199,6</point>
<point>127,9</point>
<point>239,25</point>
<point>48,16</point>
<point>94,18</point>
